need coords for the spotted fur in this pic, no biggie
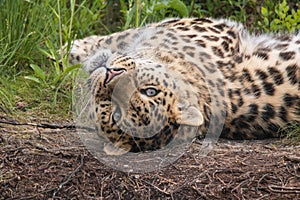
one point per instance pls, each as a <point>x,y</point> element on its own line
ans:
<point>203,71</point>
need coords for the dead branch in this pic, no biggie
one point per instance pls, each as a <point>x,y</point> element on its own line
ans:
<point>69,177</point>
<point>292,159</point>
<point>282,189</point>
<point>39,147</point>
<point>200,193</point>
<point>240,185</point>
<point>46,125</point>
<point>260,180</point>
<point>157,188</point>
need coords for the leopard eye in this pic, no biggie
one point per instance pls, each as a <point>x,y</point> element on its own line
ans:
<point>116,115</point>
<point>150,92</point>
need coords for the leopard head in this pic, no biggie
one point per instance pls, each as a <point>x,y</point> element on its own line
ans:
<point>140,104</point>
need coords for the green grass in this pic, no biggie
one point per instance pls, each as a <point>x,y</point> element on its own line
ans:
<point>30,34</point>
<point>291,133</point>
<point>32,31</point>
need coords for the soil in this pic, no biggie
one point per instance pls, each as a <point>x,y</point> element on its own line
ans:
<point>44,163</point>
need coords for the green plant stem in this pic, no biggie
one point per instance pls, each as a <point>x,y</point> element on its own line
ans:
<point>72,17</point>
<point>192,8</point>
<point>137,13</point>
<point>59,28</point>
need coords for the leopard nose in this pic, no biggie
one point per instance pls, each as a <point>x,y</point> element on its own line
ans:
<point>111,73</point>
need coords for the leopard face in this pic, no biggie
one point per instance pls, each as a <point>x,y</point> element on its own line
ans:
<point>141,108</point>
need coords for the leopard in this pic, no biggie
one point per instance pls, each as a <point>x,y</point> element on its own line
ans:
<point>189,78</point>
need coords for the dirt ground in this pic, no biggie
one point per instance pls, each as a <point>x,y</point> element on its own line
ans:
<point>47,163</point>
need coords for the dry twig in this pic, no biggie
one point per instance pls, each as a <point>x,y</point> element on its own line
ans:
<point>200,193</point>
<point>292,158</point>
<point>70,176</point>
<point>157,188</point>
<point>283,189</point>
<point>46,125</point>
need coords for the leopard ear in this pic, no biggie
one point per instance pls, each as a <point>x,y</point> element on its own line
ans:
<point>190,116</point>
